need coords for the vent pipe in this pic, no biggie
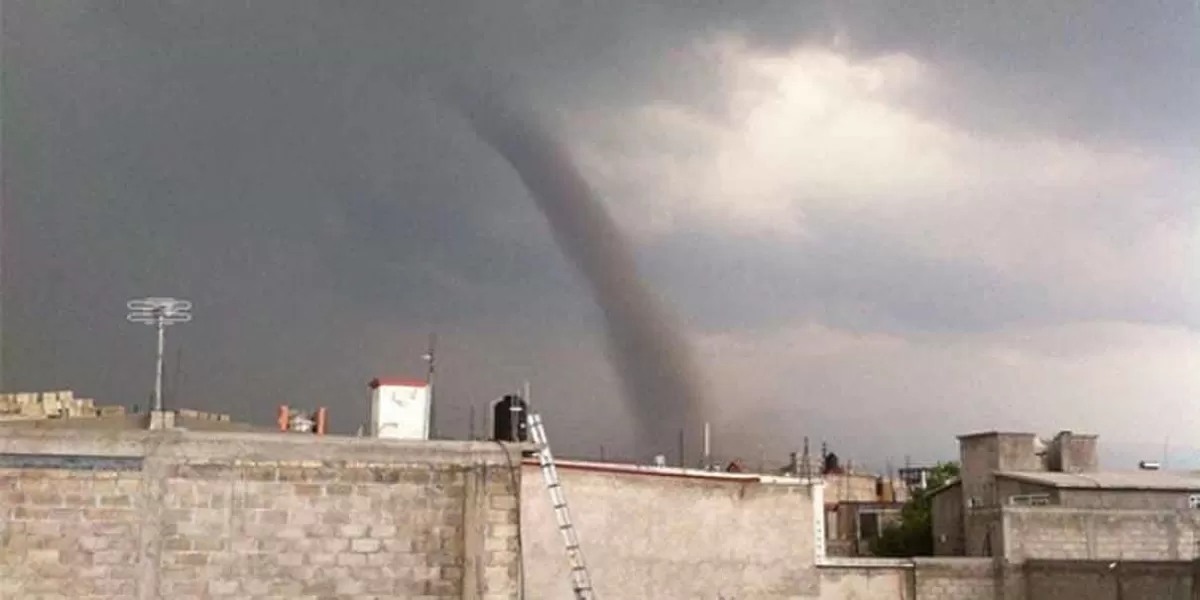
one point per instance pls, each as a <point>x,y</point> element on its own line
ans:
<point>321,418</point>
<point>707,447</point>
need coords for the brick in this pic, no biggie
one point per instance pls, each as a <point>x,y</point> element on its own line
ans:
<point>347,559</point>
<point>353,530</point>
<point>382,531</point>
<point>365,545</point>
<point>290,559</point>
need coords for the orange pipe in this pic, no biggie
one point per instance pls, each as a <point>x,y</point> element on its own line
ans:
<point>283,417</point>
<point>320,425</point>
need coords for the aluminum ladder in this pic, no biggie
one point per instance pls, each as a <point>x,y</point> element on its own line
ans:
<point>581,581</point>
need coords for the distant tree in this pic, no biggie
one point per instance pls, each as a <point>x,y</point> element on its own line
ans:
<point>913,534</point>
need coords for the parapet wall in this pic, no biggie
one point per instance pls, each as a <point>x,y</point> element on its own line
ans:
<point>231,515</point>
<point>909,579</point>
<point>662,535</point>
<point>1109,580</point>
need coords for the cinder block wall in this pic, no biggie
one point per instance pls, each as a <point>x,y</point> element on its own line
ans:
<point>1104,580</point>
<point>186,515</point>
<point>954,579</point>
<point>1096,534</point>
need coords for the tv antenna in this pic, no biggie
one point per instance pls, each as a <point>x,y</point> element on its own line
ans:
<point>159,312</point>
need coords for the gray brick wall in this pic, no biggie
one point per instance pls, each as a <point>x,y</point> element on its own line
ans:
<point>1105,580</point>
<point>254,516</point>
<point>954,579</point>
<point>68,534</point>
<point>1085,534</point>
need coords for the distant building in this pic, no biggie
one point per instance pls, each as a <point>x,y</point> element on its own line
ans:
<point>1020,497</point>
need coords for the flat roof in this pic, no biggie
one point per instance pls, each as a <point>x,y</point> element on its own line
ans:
<point>1110,480</point>
<point>967,436</point>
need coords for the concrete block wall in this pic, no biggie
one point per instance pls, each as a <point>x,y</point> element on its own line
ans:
<point>1085,534</point>
<point>915,579</point>
<point>1104,580</point>
<point>954,578</point>
<point>866,579</point>
<point>69,534</point>
<point>249,516</point>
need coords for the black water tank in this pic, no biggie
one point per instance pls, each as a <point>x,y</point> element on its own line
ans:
<point>831,464</point>
<point>502,419</point>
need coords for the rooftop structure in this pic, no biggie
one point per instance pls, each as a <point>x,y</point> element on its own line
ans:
<point>1110,480</point>
<point>1025,498</point>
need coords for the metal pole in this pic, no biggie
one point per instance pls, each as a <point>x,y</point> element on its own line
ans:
<point>471,423</point>
<point>158,377</point>
<point>431,431</point>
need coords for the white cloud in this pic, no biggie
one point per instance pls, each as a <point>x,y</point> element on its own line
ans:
<point>814,129</point>
<point>812,136</point>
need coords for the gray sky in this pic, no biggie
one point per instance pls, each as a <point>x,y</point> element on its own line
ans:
<point>881,226</point>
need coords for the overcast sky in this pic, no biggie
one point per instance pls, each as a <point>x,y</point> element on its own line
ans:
<point>881,225</point>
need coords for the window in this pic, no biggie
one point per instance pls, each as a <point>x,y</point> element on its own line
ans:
<point>1029,500</point>
<point>868,525</point>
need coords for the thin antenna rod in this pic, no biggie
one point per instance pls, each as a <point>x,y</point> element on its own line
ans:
<point>177,378</point>
<point>682,459</point>
<point>471,423</point>
<point>430,357</point>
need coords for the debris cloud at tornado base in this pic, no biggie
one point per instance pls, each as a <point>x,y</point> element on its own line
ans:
<point>645,347</point>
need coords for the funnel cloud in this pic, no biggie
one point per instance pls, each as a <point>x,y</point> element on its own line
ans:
<point>651,357</point>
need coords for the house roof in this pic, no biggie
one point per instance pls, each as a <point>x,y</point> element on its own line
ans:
<point>1110,480</point>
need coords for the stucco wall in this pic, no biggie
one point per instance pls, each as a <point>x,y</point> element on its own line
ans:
<point>947,514</point>
<point>648,535</point>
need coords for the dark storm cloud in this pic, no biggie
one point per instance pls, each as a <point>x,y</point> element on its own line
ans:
<point>281,164</point>
<point>1096,70</point>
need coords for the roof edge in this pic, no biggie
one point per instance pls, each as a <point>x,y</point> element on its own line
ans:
<point>945,486</point>
<point>979,434</point>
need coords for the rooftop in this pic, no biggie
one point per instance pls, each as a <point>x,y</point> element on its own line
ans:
<point>1111,480</point>
<point>967,436</point>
